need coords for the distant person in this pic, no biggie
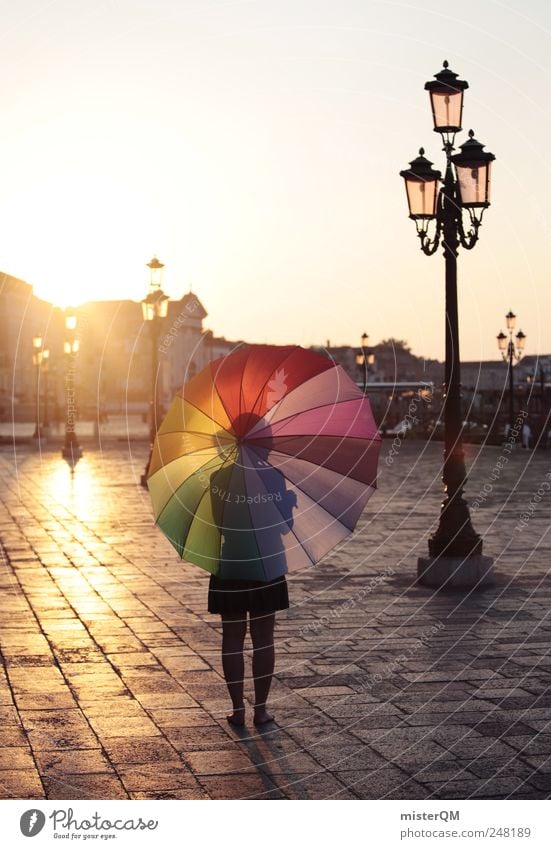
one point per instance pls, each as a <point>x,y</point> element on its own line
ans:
<point>526,435</point>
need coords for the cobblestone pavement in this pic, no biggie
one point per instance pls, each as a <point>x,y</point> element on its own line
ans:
<point>111,683</point>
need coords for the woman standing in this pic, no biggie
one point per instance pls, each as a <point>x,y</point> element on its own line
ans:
<point>240,600</point>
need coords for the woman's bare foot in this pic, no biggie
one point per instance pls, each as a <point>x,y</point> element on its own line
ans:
<point>237,717</point>
<point>261,715</point>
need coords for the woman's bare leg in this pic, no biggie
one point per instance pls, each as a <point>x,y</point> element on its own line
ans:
<point>234,629</point>
<point>262,635</point>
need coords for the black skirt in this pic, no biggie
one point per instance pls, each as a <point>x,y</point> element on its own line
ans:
<point>227,595</point>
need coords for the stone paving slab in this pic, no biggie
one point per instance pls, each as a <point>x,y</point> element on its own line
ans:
<point>111,683</point>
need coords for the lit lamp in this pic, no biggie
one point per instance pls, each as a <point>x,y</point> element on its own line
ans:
<point>446,100</point>
<point>71,451</point>
<point>155,306</point>
<point>521,341</point>
<point>422,185</point>
<point>71,347</point>
<point>473,166</point>
<point>154,310</point>
<point>510,354</point>
<point>455,549</point>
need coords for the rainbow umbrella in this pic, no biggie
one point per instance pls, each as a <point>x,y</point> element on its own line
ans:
<point>264,462</point>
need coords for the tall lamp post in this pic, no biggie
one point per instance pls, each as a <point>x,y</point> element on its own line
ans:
<point>365,360</point>
<point>455,549</point>
<point>37,362</point>
<point>46,372</point>
<point>154,309</point>
<point>71,451</point>
<point>511,353</point>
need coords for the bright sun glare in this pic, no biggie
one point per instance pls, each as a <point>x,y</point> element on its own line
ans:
<point>88,233</point>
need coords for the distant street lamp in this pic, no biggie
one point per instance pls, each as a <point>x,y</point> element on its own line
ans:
<point>154,309</point>
<point>365,360</point>
<point>510,354</point>
<point>37,362</point>
<point>46,373</point>
<point>455,548</point>
<point>71,451</point>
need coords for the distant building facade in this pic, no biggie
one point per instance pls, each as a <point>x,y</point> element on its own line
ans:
<point>23,316</point>
<point>116,358</point>
<point>114,363</point>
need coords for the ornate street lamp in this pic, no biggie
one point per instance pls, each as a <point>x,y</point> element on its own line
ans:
<point>46,373</point>
<point>455,549</point>
<point>37,362</point>
<point>154,310</point>
<point>510,354</point>
<point>71,451</point>
<point>365,360</point>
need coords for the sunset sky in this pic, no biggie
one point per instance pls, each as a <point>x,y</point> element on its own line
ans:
<point>255,147</point>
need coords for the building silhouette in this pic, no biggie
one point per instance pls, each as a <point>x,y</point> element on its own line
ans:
<point>114,363</point>
<point>22,317</point>
<point>113,366</point>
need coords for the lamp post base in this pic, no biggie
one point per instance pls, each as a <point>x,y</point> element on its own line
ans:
<point>456,572</point>
<point>144,476</point>
<point>71,452</point>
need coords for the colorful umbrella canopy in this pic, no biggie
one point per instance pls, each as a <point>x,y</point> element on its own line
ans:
<point>264,462</point>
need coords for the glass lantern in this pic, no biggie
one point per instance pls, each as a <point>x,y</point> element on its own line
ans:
<point>446,99</point>
<point>472,166</point>
<point>422,183</point>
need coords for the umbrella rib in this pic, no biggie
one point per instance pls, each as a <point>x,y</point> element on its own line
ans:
<point>366,486</point>
<point>241,399</point>
<point>345,527</point>
<point>206,450</point>
<point>317,503</point>
<point>309,410</point>
<point>219,395</point>
<point>340,438</point>
<point>203,413</point>
<point>341,475</point>
<point>187,454</point>
<point>313,500</point>
<point>228,438</point>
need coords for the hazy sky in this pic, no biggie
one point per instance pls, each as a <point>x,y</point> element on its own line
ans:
<point>256,145</point>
